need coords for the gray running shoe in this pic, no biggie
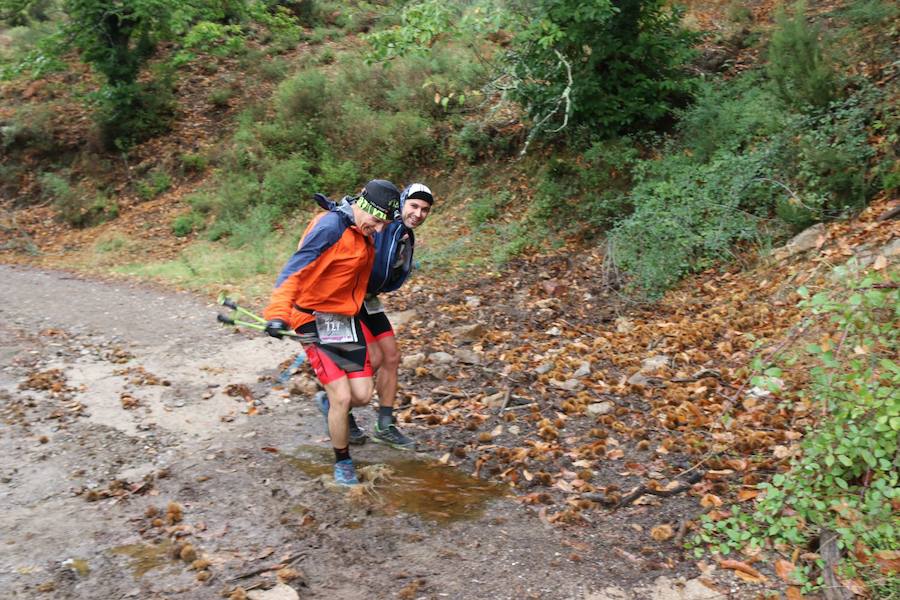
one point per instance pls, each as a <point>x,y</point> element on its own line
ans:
<point>393,437</point>
<point>356,435</point>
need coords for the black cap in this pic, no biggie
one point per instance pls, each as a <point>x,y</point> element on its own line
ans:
<point>382,196</point>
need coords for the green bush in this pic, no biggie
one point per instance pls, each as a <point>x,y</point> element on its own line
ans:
<point>288,183</point>
<point>687,216</point>
<point>487,206</point>
<point>32,128</point>
<point>306,95</point>
<point>76,206</point>
<point>186,224</point>
<point>193,162</point>
<point>798,64</point>
<point>627,62</point>
<point>220,96</point>
<point>730,116</point>
<point>846,479</point>
<point>273,70</point>
<point>155,183</point>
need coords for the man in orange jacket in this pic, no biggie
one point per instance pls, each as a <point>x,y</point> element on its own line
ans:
<point>319,293</point>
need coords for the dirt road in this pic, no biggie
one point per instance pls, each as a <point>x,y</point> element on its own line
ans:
<point>134,428</point>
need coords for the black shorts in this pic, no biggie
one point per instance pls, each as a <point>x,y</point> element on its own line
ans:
<point>378,324</point>
<point>333,361</point>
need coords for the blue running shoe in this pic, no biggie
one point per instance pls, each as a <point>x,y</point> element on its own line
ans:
<point>356,435</point>
<point>345,473</point>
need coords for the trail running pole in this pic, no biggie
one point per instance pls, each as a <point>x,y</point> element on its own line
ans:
<point>230,303</point>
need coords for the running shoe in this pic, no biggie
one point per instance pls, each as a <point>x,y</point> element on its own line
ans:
<point>345,473</point>
<point>393,437</point>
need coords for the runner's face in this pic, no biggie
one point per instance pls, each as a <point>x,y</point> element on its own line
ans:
<point>415,211</point>
<point>369,224</point>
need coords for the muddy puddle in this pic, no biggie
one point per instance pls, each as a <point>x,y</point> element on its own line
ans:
<point>425,488</point>
<point>146,557</point>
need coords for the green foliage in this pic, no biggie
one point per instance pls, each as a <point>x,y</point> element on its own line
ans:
<point>487,207</point>
<point>220,96</point>
<point>687,216</point>
<point>118,39</point>
<point>476,141</point>
<point>155,183</point>
<point>186,224</point>
<point>288,184</point>
<point>30,127</point>
<point>626,60</point>
<point>798,65</point>
<point>847,476</point>
<point>76,206</point>
<point>193,162</point>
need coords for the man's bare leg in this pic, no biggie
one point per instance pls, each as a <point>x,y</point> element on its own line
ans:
<point>386,431</point>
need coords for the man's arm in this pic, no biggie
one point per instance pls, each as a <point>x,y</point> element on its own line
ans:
<point>323,235</point>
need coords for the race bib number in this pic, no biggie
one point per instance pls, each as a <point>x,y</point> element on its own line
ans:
<point>374,306</point>
<point>335,329</point>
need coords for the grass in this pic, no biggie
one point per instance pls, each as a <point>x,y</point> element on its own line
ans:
<point>209,267</point>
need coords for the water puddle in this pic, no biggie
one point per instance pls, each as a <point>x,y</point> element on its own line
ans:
<point>79,566</point>
<point>146,557</point>
<point>426,488</point>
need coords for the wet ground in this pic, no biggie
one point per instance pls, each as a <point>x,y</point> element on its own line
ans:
<point>147,455</point>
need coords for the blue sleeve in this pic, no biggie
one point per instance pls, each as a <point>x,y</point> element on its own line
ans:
<point>320,238</point>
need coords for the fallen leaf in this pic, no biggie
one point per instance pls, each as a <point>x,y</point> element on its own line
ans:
<point>661,533</point>
<point>745,495</point>
<point>793,593</point>
<point>784,568</point>
<point>880,262</point>
<point>741,567</point>
<point>709,500</point>
<point>750,578</point>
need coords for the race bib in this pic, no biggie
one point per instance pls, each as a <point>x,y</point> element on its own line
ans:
<point>335,329</point>
<point>374,306</point>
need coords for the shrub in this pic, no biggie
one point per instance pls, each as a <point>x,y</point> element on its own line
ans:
<point>306,95</point>
<point>31,127</point>
<point>798,65</point>
<point>288,183</point>
<point>193,162</point>
<point>627,62</point>
<point>487,206</point>
<point>730,116</point>
<point>186,224</point>
<point>220,96</point>
<point>76,206</point>
<point>687,216</point>
<point>846,479</point>
<point>156,183</point>
<point>273,70</point>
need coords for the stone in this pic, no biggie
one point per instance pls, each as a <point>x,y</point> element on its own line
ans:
<point>441,358</point>
<point>495,400</point>
<point>468,333</point>
<point>473,301</point>
<point>544,368</point>
<point>600,408</point>
<point>279,592</point>
<point>413,361</point>
<point>571,385</point>
<point>401,318</point>
<point>554,331</point>
<point>803,241</point>
<point>648,365</point>
<point>583,371</point>
<point>892,248</point>
<point>624,325</point>
<point>464,355</point>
